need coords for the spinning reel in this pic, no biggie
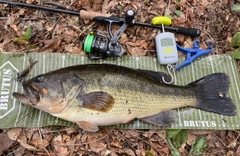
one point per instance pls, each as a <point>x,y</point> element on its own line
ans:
<point>97,45</point>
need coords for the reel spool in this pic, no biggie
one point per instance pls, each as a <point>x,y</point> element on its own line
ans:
<point>95,45</point>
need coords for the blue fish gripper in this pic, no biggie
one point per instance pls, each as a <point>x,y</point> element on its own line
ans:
<point>192,53</point>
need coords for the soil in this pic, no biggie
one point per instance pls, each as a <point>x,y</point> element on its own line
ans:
<point>62,33</point>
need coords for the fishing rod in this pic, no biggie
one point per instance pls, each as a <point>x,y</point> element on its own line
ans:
<point>99,45</point>
<point>100,17</point>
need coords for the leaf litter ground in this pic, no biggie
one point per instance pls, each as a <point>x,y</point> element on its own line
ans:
<point>61,33</point>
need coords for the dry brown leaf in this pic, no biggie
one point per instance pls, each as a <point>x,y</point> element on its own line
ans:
<point>71,148</point>
<point>205,2</point>
<point>158,6</point>
<point>10,20</point>
<point>238,150</point>
<point>141,152</point>
<point>131,134</point>
<point>191,15</point>
<point>180,38</point>
<point>188,43</point>
<point>153,152</point>
<point>37,143</point>
<point>40,143</point>
<point>133,44</point>
<point>22,138</point>
<point>66,138</point>
<point>59,147</point>
<point>135,5</point>
<point>154,12</point>
<point>124,3</point>
<point>19,152</point>
<point>136,51</point>
<point>50,45</point>
<point>125,151</point>
<point>200,132</point>
<point>184,1</point>
<point>229,39</point>
<point>156,146</point>
<point>179,21</point>
<point>95,144</point>
<point>69,35</point>
<point>165,150</point>
<point>61,150</point>
<point>123,38</point>
<point>71,130</point>
<point>15,28</point>
<point>115,143</point>
<point>6,142</point>
<point>143,44</point>
<point>27,146</point>
<point>108,5</point>
<point>58,139</point>
<point>30,1</point>
<point>73,49</point>
<point>104,6</point>
<point>113,152</point>
<point>14,133</point>
<point>96,5</point>
<point>161,4</point>
<point>191,138</point>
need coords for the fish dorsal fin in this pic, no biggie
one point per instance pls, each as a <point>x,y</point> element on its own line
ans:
<point>156,76</point>
<point>98,101</point>
<point>161,119</point>
<point>88,126</point>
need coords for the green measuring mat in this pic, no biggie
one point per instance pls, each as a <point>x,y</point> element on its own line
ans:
<point>15,114</point>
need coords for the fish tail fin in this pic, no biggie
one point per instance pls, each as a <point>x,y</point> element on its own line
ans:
<point>211,94</point>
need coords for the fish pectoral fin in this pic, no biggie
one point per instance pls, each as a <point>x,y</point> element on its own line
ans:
<point>22,98</point>
<point>161,119</point>
<point>98,101</point>
<point>88,126</point>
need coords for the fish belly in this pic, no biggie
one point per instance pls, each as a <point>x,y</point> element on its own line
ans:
<point>129,104</point>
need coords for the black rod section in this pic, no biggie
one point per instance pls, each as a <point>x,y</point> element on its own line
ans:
<point>71,12</point>
<point>154,26</point>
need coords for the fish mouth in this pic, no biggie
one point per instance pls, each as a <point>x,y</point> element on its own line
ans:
<point>31,93</point>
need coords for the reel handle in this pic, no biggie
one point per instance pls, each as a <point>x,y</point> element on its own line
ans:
<point>129,16</point>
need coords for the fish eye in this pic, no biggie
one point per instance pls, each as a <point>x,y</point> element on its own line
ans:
<point>38,79</point>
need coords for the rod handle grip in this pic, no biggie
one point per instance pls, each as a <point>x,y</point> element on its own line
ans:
<point>97,16</point>
<point>188,31</point>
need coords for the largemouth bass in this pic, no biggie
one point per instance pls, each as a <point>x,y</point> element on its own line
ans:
<point>102,94</point>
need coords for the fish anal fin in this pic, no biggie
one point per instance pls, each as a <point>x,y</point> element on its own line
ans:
<point>161,119</point>
<point>98,101</point>
<point>88,126</point>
